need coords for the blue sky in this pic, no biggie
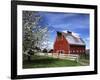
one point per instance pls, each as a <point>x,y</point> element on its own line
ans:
<point>75,22</point>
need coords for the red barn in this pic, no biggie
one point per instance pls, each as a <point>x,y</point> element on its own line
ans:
<point>68,43</point>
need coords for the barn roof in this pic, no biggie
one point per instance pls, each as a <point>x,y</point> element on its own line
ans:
<point>72,39</point>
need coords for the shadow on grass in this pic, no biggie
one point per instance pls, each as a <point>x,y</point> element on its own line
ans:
<point>44,61</point>
<point>41,61</point>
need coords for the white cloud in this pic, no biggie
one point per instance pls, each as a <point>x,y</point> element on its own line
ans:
<point>50,44</point>
<point>65,31</point>
<point>76,34</point>
<point>61,26</point>
<point>87,42</point>
<point>51,31</point>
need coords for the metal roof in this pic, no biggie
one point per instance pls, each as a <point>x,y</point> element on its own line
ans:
<point>73,39</point>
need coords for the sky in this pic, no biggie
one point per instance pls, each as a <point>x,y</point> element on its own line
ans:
<point>75,22</point>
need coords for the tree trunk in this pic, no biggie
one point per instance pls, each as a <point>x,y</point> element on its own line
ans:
<point>29,58</point>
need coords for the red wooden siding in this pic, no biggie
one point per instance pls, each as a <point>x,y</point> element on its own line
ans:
<point>61,45</point>
<point>77,49</point>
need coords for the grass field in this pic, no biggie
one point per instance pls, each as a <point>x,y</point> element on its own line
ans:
<point>44,61</point>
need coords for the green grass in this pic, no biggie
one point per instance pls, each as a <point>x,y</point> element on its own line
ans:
<point>84,58</point>
<point>44,61</point>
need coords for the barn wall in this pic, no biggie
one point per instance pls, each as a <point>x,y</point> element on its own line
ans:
<point>77,49</point>
<point>61,45</point>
